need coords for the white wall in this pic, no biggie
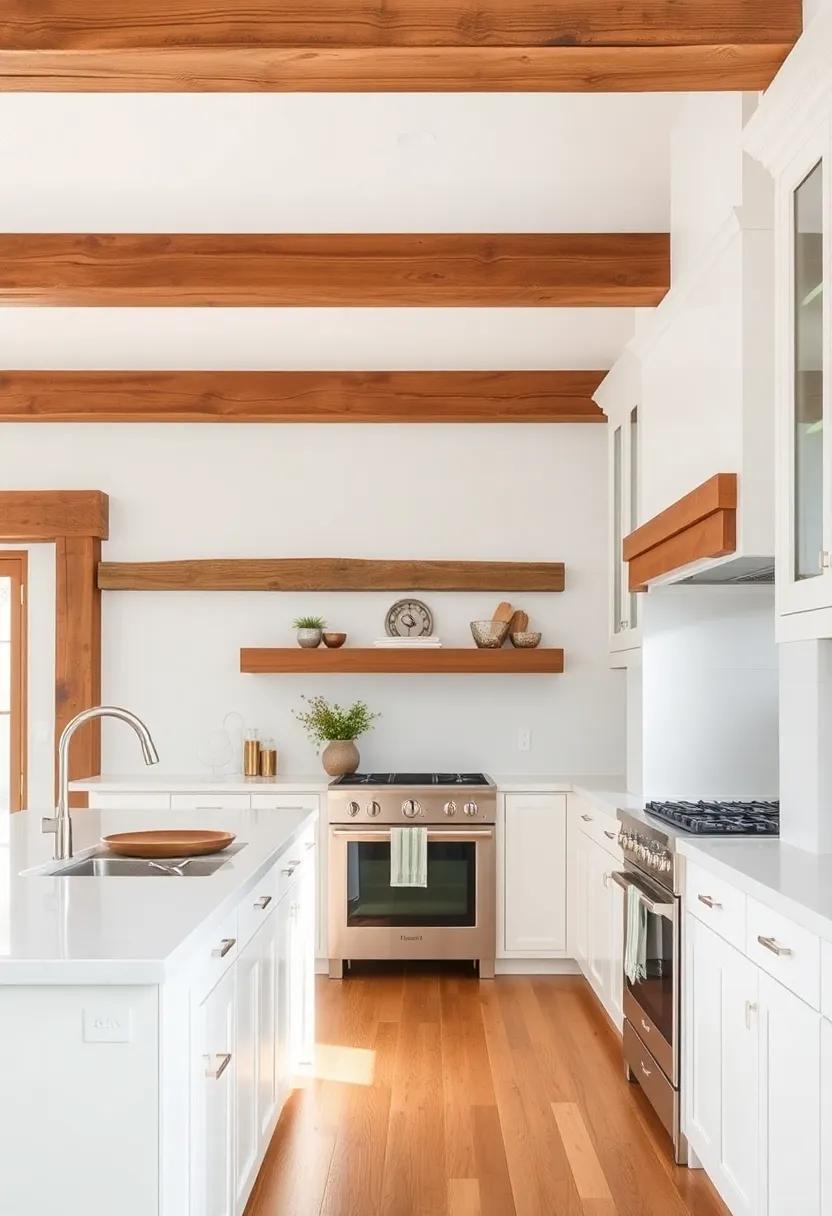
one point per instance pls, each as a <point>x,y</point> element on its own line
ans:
<point>466,492</point>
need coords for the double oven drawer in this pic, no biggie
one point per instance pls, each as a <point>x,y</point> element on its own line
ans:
<point>660,1093</point>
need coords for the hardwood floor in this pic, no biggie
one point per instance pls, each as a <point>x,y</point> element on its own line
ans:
<point>438,1095</point>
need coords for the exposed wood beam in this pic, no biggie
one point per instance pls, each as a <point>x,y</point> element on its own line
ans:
<point>210,396</point>
<point>700,525</point>
<point>329,574</point>
<point>401,45</point>
<point>43,515</point>
<point>445,270</point>
<point>78,649</point>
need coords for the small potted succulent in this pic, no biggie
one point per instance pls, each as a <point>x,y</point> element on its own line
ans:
<point>337,728</point>
<point>309,630</point>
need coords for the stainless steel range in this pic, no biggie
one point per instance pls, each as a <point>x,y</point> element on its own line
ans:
<point>453,916</point>
<point>652,1001</point>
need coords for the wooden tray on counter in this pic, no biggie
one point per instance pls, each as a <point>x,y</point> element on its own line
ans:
<point>167,842</point>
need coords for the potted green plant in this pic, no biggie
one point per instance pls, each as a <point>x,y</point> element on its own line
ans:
<point>335,729</point>
<point>310,630</point>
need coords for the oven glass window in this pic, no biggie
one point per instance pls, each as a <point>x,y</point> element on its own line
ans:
<point>448,899</point>
<point>655,993</point>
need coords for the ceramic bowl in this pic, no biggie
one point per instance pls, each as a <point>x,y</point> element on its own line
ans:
<point>489,635</point>
<point>334,640</point>
<point>527,640</point>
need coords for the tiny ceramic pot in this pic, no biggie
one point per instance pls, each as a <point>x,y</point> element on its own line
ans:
<point>334,640</point>
<point>310,638</point>
<point>340,757</point>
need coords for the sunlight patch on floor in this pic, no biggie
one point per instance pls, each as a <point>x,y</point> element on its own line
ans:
<point>351,1065</point>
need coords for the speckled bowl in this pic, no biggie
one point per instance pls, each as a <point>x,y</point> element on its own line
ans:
<point>527,640</point>
<point>489,635</point>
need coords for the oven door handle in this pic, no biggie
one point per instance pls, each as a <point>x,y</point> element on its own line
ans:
<point>458,834</point>
<point>625,881</point>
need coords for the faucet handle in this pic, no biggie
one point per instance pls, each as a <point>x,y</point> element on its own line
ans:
<point>49,826</point>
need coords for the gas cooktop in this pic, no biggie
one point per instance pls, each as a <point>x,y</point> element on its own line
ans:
<point>435,779</point>
<point>753,818</point>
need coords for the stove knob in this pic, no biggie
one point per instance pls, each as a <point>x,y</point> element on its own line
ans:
<point>470,808</point>
<point>373,809</point>
<point>352,809</point>
<point>411,808</point>
<point>450,808</point>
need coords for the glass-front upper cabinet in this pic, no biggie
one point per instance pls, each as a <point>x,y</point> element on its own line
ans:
<point>804,444</point>
<point>624,483</point>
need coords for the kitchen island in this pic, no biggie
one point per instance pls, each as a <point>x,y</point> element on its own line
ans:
<point>153,1024</point>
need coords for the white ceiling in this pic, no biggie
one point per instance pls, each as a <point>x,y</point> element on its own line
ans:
<point>318,162</point>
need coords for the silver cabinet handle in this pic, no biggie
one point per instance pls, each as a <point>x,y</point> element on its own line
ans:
<point>708,901</point>
<point>645,1026</point>
<point>289,871</point>
<point>610,835</point>
<point>225,1059</point>
<point>207,807</point>
<point>773,946</point>
<point>750,1008</point>
<point>310,845</point>
<point>648,1072</point>
<point>227,943</point>
<point>586,818</point>
<point>263,901</point>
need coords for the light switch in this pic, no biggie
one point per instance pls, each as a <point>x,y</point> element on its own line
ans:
<point>103,1025</point>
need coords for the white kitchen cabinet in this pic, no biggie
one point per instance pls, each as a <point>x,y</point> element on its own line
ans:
<point>109,800</point>
<point>596,910</point>
<point>246,1065</point>
<point>721,1065</point>
<point>210,800</point>
<point>534,875</point>
<point>790,1059</point>
<point>306,802</point>
<point>213,1103</point>
<point>267,1027</point>
<point>826,1116</point>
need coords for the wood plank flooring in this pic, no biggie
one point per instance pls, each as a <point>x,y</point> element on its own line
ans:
<point>437,1095</point>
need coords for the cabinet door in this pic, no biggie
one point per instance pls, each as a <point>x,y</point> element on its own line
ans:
<point>302,976</point>
<point>624,515</point>
<point>581,913</point>
<point>534,870</point>
<point>804,335</point>
<point>267,1081</point>
<point>703,1036</point>
<point>212,1123</point>
<point>599,923</point>
<point>283,1064</point>
<point>790,1085</point>
<point>826,1116</point>
<point>617,897</point>
<point>249,980</point>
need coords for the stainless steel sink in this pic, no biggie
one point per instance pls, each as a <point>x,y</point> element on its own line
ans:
<point>105,865</point>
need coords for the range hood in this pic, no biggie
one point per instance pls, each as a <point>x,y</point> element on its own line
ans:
<point>739,571</point>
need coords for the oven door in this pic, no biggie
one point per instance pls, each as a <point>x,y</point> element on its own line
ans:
<point>452,917</point>
<point>651,1005</point>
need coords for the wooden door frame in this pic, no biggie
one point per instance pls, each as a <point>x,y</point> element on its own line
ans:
<point>14,564</point>
<point>76,522</point>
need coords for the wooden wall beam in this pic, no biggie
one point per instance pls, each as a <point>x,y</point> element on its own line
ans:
<point>409,270</point>
<point>555,69</point>
<point>329,574</point>
<point>211,396</point>
<point>78,648</point>
<point>43,515</point>
<point>401,45</point>
<point>700,525</point>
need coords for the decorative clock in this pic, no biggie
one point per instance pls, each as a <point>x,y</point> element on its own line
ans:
<point>409,619</point>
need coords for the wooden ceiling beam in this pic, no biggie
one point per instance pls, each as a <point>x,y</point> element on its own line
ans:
<point>43,515</point>
<point>330,270</point>
<point>253,396</point>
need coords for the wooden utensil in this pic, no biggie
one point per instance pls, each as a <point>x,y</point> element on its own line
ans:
<point>519,622</point>
<point>503,612</point>
<point>169,842</point>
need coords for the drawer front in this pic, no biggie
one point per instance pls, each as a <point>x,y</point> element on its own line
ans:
<point>600,827</point>
<point>211,800</point>
<point>106,801</point>
<point>788,952</point>
<point>663,1097</point>
<point>219,951</point>
<point>716,903</point>
<point>256,906</point>
<point>284,802</point>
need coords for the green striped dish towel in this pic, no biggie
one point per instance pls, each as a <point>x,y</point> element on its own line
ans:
<point>408,857</point>
<point>635,947</point>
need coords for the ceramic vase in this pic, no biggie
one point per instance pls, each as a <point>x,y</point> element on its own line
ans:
<point>309,638</point>
<point>340,756</point>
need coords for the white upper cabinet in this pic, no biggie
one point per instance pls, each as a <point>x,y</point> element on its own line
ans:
<point>791,135</point>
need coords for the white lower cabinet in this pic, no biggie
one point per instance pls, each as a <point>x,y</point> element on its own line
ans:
<point>790,1060</point>
<point>246,1065</point>
<point>826,1116</point>
<point>756,1060</point>
<point>534,875</point>
<point>597,907</point>
<point>213,1187</point>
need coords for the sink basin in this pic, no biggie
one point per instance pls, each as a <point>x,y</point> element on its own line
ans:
<point>137,867</point>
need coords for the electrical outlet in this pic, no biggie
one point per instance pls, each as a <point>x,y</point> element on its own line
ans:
<point>524,739</point>
<point>108,1025</point>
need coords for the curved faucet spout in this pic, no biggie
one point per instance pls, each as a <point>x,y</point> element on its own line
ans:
<point>61,824</point>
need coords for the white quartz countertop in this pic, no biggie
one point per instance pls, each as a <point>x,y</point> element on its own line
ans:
<point>197,783</point>
<point>790,880</point>
<point>57,930</point>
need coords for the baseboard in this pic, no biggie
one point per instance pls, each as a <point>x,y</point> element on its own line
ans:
<point>536,966</point>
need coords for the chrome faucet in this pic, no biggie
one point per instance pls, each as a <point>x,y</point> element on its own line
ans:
<point>61,824</point>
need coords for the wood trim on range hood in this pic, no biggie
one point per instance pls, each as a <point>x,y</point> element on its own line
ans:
<point>701,525</point>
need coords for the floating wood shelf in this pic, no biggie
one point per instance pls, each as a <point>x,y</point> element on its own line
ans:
<point>329,574</point>
<point>375,659</point>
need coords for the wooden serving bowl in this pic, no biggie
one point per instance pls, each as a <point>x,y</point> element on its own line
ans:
<point>334,640</point>
<point>168,842</point>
